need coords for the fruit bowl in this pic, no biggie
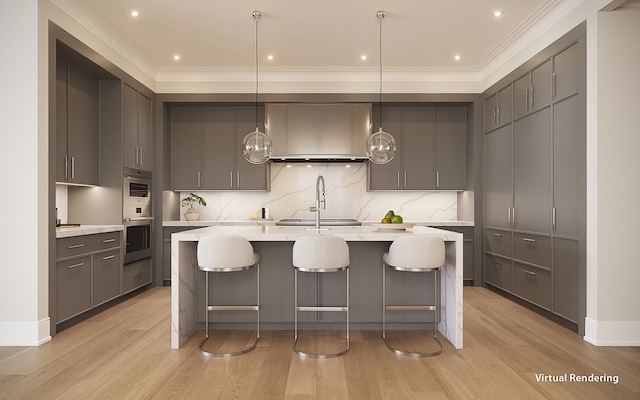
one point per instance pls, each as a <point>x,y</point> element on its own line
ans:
<point>401,226</point>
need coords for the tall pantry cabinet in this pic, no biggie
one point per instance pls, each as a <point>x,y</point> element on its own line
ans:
<point>534,169</point>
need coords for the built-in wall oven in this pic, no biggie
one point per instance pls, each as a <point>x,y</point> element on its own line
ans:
<point>137,216</point>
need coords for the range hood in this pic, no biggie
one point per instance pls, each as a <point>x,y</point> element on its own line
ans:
<point>318,131</point>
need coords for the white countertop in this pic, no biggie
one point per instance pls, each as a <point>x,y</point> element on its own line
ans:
<point>261,233</point>
<point>272,223</point>
<point>86,230</point>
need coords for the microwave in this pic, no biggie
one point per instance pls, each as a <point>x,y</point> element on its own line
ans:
<point>136,193</point>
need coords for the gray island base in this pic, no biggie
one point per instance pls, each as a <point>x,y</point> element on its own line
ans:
<point>274,243</point>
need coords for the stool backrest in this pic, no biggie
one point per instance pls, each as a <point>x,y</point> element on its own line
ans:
<point>417,251</point>
<point>224,251</point>
<point>320,252</point>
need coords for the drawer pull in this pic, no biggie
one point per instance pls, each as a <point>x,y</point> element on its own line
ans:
<point>109,257</point>
<point>497,234</point>
<point>498,262</point>
<point>529,272</point>
<point>529,240</point>
<point>75,246</point>
<point>75,265</point>
<point>108,241</point>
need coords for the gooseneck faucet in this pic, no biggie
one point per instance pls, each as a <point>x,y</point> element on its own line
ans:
<point>320,200</point>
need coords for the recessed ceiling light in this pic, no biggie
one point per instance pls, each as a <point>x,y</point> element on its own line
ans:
<point>269,57</point>
<point>135,13</point>
<point>456,57</point>
<point>363,57</point>
<point>497,13</point>
<point>176,57</point>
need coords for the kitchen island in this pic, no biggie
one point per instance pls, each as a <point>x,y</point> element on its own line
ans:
<point>274,243</point>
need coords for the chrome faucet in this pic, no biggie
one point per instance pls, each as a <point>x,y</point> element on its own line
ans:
<point>320,200</point>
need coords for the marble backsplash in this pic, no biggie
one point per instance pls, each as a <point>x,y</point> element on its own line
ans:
<point>293,192</point>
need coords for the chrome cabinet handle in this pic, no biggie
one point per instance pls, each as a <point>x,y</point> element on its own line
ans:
<point>495,116</point>
<point>509,216</point>
<point>73,168</point>
<point>553,85</point>
<point>75,265</point>
<point>398,179</point>
<point>66,167</point>
<point>75,246</point>
<point>437,179</point>
<point>497,262</point>
<point>497,235</point>
<point>405,179</point>
<point>529,272</point>
<point>498,116</point>
<point>108,241</point>
<point>238,179</point>
<point>198,179</point>
<point>526,99</point>
<point>109,257</point>
<point>553,219</point>
<point>532,98</point>
<point>137,157</point>
<point>231,179</point>
<point>528,240</point>
<point>141,156</point>
<point>513,216</point>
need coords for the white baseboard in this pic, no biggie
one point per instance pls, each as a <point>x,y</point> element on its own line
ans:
<point>612,333</point>
<point>25,333</point>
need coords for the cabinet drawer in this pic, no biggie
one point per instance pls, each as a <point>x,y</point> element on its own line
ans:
<point>77,245</point>
<point>136,275</point>
<point>73,287</point>
<point>497,271</point>
<point>532,284</point>
<point>498,242</point>
<point>532,249</point>
<point>106,276</point>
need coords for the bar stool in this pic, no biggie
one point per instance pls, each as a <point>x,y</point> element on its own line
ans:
<point>414,254</point>
<point>228,253</point>
<point>321,253</point>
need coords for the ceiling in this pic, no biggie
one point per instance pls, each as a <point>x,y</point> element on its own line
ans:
<point>418,36</point>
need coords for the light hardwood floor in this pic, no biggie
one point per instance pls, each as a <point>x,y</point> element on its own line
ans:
<point>124,353</point>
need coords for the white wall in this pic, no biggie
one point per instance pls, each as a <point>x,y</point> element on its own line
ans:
<point>613,317</point>
<point>23,173</point>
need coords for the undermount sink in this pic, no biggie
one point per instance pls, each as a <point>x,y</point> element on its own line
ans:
<point>323,222</point>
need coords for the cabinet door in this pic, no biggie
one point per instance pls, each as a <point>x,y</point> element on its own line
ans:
<point>387,176</point>
<point>532,172</point>
<point>565,278</point>
<point>106,276</point>
<point>565,167</point>
<point>532,284</point>
<point>521,96</point>
<point>61,121</point>
<point>249,176</point>
<point>219,157</point>
<point>505,105</point>
<point>541,88</point>
<point>83,129</point>
<point>418,148</point>
<point>129,126</point>
<point>566,72</point>
<point>498,271</point>
<point>73,287</point>
<point>451,148</point>
<point>491,113</point>
<point>145,136</point>
<point>186,148</point>
<point>498,179</point>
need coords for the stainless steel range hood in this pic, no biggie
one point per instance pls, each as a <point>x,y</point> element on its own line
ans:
<point>318,131</point>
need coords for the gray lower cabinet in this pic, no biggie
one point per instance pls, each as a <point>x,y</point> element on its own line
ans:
<point>166,250</point>
<point>532,283</point>
<point>431,152</point>
<point>498,271</point>
<point>565,278</point>
<point>467,234</point>
<point>88,273</point>
<point>206,151</point>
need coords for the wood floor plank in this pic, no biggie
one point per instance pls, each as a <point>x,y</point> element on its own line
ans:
<point>124,353</point>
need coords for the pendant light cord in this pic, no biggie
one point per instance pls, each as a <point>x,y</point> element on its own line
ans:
<point>380,18</point>
<point>256,16</point>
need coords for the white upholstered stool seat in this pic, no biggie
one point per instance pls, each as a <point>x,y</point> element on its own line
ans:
<point>415,253</point>
<point>228,253</point>
<point>320,253</point>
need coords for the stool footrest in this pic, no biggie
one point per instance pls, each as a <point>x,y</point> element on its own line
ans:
<point>410,308</point>
<point>325,308</point>
<point>232,308</point>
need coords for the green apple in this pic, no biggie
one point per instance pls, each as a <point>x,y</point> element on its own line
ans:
<point>389,214</point>
<point>396,219</point>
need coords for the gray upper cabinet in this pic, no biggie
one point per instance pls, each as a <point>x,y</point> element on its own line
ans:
<point>533,91</point>
<point>566,76</point>
<point>77,125</point>
<point>431,149</point>
<point>206,153</point>
<point>137,134</point>
<point>497,109</point>
<point>532,169</point>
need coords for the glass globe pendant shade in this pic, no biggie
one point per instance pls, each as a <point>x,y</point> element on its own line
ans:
<point>381,147</point>
<point>256,147</point>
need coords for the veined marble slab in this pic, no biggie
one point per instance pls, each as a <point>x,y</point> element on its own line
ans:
<point>86,230</point>
<point>183,269</point>
<point>272,223</point>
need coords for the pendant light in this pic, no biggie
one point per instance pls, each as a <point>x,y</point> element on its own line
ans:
<point>256,146</point>
<point>381,146</point>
